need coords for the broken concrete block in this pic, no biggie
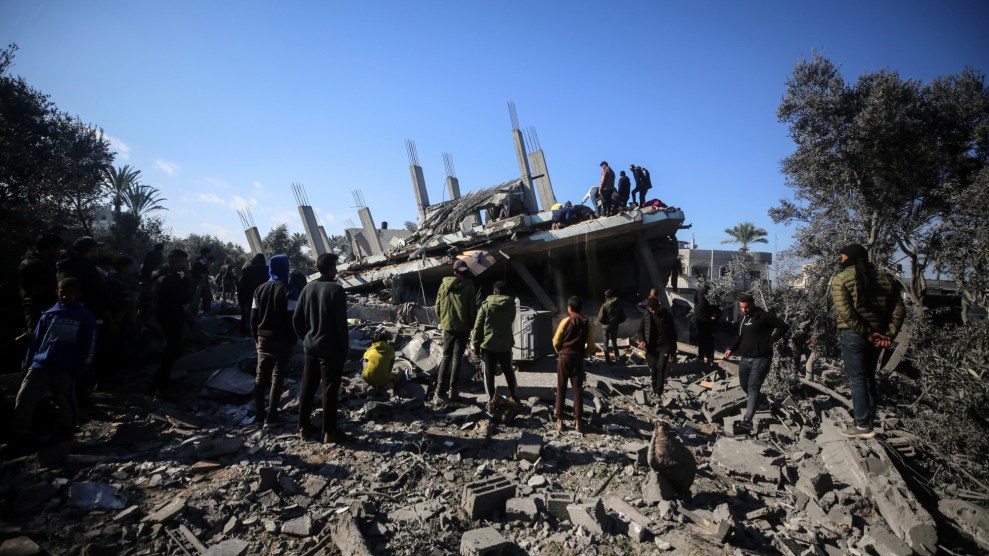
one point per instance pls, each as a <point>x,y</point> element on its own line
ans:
<point>469,413</point>
<point>884,542</point>
<point>313,485</point>
<point>529,447</point>
<point>522,509</point>
<point>90,495</point>
<point>657,488</point>
<point>482,497</point>
<point>638,452</point>
<point>215,447</point>
<point>748,459</point>
<point>720,404</point>
<point>298,527</point>
<point>591,516</point>
<point>640,397</point>
<point>556,504</point>
<point>347,536</point>
<point>972,519</point>
<point>167,512</point>
<point>706,527</point>
<point>812,480</point>
<point>19,546</point>
<point>486,540</point>
<point>230,381</point>
<point>637,524</point>
<point>422,511</point>
<point>229,547</point>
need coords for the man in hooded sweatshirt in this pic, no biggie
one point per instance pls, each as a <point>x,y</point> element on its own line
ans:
<point>658,338</point>
<point>320,319</point>
<point>869,314</point>
<point>274,336</point>
<point>456,308</point>
<point>573,341</point>
<point>251,277</point>
<point>611,316</point>
<point>493,340</point>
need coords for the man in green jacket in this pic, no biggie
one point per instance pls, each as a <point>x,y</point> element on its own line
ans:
<point>611,316</point>
<point>869,314</point>
<point>455,305</point>
<point>493,340</point>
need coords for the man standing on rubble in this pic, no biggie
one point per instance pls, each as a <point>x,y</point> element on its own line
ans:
<point>621,196</point>
<point>606,189</point>
<point>611,316</point>
<point>200,276</point>
<point>869,314</point>
<point>455,306</point>
<point>573,341</point>
<point>642,183</point>
<point>320,319</point>
<point>493,341</point>
<point>251,277</point>
<point>170,297</point>
<point>658,338</point>
<point>274,337</point>
<point>757,332</point>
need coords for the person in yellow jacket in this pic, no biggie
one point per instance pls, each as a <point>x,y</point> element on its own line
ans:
<point>573,341</point>
<point>378,362</point>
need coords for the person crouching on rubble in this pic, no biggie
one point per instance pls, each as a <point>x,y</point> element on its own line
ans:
<point>493,341</point>
<point>456,309</point>
<point>63,348</point>
<point>320,319</point>
<point>274,338</point>
<point>378,362</point>
<point>573,341</point>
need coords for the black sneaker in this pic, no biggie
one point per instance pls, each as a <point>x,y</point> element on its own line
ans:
<point>859,432</point>
<point>743,427</point>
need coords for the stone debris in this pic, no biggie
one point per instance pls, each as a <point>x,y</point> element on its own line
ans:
<point>647,477</point>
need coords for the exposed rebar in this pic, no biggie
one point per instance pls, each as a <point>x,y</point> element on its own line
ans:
<point>410,150</point>
<point>513,114</point>
<point>451,172</point>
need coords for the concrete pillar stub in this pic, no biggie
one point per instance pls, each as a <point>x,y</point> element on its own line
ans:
<point>370,233</point>
<point>544,187</point>
<point>529,195</point>
<point>419,185</point>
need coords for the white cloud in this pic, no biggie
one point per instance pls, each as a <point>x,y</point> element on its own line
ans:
<point>257,185</point>
<point>219,231</point>
<point>121,148</point>
<point>217,182</point>
<point>210,198</point>
<point>290,217</point>
<point>239,203</point>
<point>168,167</point>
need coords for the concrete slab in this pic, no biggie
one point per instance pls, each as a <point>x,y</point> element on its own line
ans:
<point>748,459</point>
<point>486,540</point>
<point>229,381</point>
<point>223,355</point>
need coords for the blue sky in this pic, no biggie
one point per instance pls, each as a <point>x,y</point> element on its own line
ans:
<point>225,104</point>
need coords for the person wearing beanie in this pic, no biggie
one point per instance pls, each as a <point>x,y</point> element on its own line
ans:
<point>457,310</point>
<point>870,312</point>
<point>757,333</point>
<point>274,337</point>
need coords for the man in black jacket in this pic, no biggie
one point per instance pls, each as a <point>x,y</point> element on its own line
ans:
<point>320,319</point>
<point>251,277</point>
<point>658,338</point>
<point>271,327</point>
<point>756,334</point>
<point>171,294</point>
<point>36,278</point>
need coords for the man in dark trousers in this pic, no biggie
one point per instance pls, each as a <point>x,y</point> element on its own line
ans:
<point>642,183</point>
<point>320,319</point>
<point>757,332</point>
<point>457,310</point>
<point>706,315</point>
<point>171,295</point>
<point>274,337</point>
<point>202,297</point>
<point>573,341</point>
<point>606,189</point>
<point>869,314</point>
<point>252,276</point>
<point>95,295</point>
<point>621,196</point>
<point>493,341</point>
<point>611,316</point>
<point>36,278</point>
<point>658,338</point>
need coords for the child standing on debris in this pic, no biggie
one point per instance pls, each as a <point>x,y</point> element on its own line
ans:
<point>271,328</point>
<point>493,341</point>
<point>378,362</point>
<point>573,341</point>
<point>456,309</point>
<point>63,348</point>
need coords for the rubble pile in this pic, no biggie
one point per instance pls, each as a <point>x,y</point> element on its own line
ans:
<point>651,476</point>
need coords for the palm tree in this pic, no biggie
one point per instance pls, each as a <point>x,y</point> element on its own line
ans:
<point>118,181</point>
<point>141,198</point>
<point>745,233</point>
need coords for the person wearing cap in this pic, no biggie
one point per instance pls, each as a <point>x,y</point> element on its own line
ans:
<point>320,319</point>
<point>171,294</point>
<point>456,309</point>
<point>274,338</point>
<point>606,189</point>
<point>493,340</point>
<point>757,333</point>
<point>36,278</point>
<point>870,312</point>
<point>611,316</point>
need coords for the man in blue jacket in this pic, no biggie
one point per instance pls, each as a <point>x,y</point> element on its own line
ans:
<point>63,348</point>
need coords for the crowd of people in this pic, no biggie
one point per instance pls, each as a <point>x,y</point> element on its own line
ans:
<point>81,310</point>
<point>609,197</point>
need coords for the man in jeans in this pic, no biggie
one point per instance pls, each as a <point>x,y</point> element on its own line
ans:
<point>457,310</point>
<point>756,334</point>
<point>320,319</point>
<point>869,314</point>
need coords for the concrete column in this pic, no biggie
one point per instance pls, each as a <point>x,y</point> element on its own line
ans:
<point>312,229</point>
<point>419,185</point>
<point>325,238</point>
<point>453,187</point>
<point>254,240</point>
<point>370,232</point>
<point>544,188</point>
<point>529,196</point>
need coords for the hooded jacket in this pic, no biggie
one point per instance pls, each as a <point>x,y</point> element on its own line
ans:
<point>64,340</point>
<point>493,326</point>
<point>611,315</point>
<point>881,309</point>
<point>757,333</point>
<point>658,331</point>
<point>272,308</point>
<point>455,304</point>
<point>378,362</point>
<point>574,336</point>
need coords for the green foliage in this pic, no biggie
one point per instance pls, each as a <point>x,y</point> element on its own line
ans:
<point>221,250</point>
<point>141,199</point>
<point>278,240</point>
<point>118,182</point>
<point>744,234</point>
